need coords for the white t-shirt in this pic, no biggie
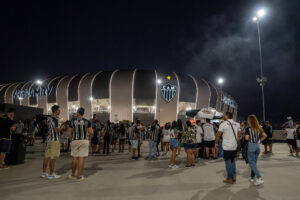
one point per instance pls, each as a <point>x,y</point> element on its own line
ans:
<point>166,135</point>
<point>290,133</point>
<point>229,142</point>
<point>209,132</point>
<point>198,135</point>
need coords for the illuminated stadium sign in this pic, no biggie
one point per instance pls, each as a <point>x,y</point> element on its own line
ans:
<point>168,91</point>
<point>33,92</point>
<point>228,101</point>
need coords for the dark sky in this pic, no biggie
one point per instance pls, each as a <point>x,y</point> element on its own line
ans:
<point>205,38</point>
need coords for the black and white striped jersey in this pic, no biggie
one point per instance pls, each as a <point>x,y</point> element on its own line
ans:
<point>52,123</point>
<point>80,126</point>
<point>254,135</point>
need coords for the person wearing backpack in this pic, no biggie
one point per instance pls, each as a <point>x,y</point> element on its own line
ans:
<point>229,129</point>
<point>254,135</point>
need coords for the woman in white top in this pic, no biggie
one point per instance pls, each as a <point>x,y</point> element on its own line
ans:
<point>166,137</point>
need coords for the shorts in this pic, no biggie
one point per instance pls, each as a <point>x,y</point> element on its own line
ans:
<point>229,155</point>
<point>80,148</point>
<point>180,144</point>
<point>94,141</point>
<point>209,144</point>
<point>190,146</point>
<point>267,141</point>
<point>199,145</point>
<point>5,146</point>
<point>52,149</point>
<point>134,144</point>
<point>292,142</point>
<point>173,143</point>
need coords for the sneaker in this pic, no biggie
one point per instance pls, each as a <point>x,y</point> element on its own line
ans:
<point>234,179</point>
<point>44,175</point>
<point>4,167</point>
<point>251,180</point>
<point>79,178</point>
<point>174,167</point>
<point>53,176</point>
<point>170,165</point>
<point>259,182</point>
<point>72,177</point>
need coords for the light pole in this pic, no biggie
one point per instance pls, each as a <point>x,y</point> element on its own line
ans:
<point>158,82</point>
<point>220,82</point>
<point>262,80</point>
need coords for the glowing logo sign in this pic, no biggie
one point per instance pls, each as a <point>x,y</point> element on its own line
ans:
<point>168,91</point>
<point>33,92</point>
<point>228,101</point>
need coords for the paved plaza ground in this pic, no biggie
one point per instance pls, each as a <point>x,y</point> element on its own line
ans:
<point>116,177</point>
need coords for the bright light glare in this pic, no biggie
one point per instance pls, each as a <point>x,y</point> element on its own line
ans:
<point>220,80</point>
<point>158,81</point>
<point>108,107</point>
<point>39,82</point>
<point>261,12</point>
<point>254,19</point>
<point>134,107</point>
<point>153,107</point>
<point>20,98</point>
<point>188,108</point>
<point>91,98</point>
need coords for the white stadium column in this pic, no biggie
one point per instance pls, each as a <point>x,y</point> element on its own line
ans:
<point>62,97</point>
<point>10,93</point>
<point>167,97</point>
<point>121,95</point>
<point>85,94</point>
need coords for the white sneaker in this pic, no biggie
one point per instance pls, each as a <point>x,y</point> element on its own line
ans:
<point>174,167</point>
<point>170,165</point>
<point>259,182</point>
<point>44,175</point>
<point>251,180</point>
<point>53,176</point>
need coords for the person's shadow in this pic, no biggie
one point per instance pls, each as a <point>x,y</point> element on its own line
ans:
<point>224,193</point>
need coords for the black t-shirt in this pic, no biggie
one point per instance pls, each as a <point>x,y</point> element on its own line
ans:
<point>5,124</point>
<point>267,130</point>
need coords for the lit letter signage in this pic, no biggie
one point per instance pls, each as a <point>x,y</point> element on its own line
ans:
<point>33,92</point>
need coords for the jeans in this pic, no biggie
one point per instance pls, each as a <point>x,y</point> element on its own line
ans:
<point>253,153</point>
<point>152,147</point>
<point>230,168</point>
<point>220,149</point>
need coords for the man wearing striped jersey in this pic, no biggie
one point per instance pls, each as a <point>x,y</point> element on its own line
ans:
<point>79,131</point>
<point>52,151</point>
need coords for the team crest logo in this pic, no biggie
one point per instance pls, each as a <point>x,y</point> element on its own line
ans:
<point>168,91</point>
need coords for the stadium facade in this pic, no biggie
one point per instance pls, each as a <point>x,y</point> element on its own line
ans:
<point>121,95</point>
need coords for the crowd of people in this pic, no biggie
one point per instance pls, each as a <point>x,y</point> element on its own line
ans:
<point>200,140</point>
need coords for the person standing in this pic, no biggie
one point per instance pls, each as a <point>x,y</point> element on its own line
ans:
<point>290,139</point>
<point>209,139</point>
<point>180,130</point>
<point>106,131</point>
<point>189,143</point>
<point>153,138</point>
<point>52,151</point>
<point>199,138</point>
<point>166,138</point>
<point>33,129</point>
<point>79,132</point>
<point>173,144</point>
<point>20,127</point>
<point>140,128</point>
<point>254,135</point>
<point>268,141</point>
<point>122,137</point>
<point>229,129</point>
<point>7,126</point>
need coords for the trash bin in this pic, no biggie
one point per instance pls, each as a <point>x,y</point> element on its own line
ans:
<point>17,150</point>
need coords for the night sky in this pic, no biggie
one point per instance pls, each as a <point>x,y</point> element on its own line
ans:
<point>204,38</point>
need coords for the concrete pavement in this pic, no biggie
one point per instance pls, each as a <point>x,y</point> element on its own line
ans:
<point>117,177</point>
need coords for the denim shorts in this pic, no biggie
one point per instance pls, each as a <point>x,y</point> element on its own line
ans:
<point>173,143</point>
<point>5,146</point>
